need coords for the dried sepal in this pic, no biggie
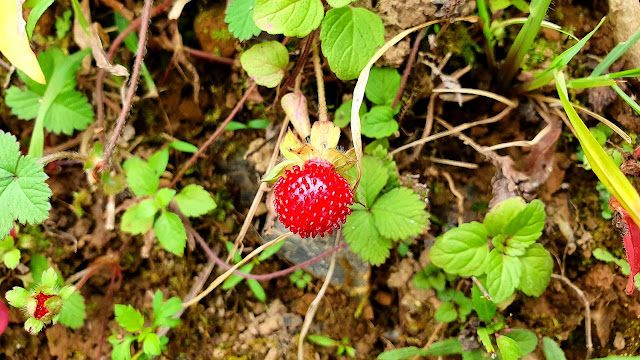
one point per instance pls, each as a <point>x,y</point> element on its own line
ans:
<point>324,135</point>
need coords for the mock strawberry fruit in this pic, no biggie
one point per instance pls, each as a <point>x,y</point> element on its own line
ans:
<point>313,199</point>
<point>41,309</point>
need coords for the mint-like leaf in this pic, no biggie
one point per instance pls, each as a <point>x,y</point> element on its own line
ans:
<point>194,201</point>
<point>239,16</point>
<point>537,266</point>
<point>501,214</point>
<point>138,219</point>
<point>164,196</point>
<point>374,177</point>
<point>399,214</point>
<point>158,161</point>
<point>339,3</point>
<point>446,313</point>
<point>383,85</point>
<point>526,227</point>
<point>525,339</point>
<point>170,232</point>
<point>552,350</point>
<point>485,308</point>
<point>129,318</point>
<point>73,311</point>
<point>297,18</point>
<point>151,344</point>
<point>503,275</point>
<point>141,178</point>
<point>350,37</point>
<point>508,348</point>
<point>379,123</point>
<point>362,236</point>
<point>265,63</point>
<point>24,195</point>
<point>462,250</point>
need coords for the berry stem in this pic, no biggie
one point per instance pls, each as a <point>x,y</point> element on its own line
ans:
<point>322,102</point>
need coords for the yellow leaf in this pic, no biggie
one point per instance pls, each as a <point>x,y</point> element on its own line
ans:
<point>14,43</point>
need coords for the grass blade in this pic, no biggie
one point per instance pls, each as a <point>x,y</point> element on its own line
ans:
<point>634,105</point>
<point>616,53</point>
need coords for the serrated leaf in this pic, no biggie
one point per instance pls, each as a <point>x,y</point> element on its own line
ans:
<point>169,308</point>
<point>138,219</point>
<point>24,195</point>
<point>194,201</point>
<point>503,275</point>
<point>525,340</point>
<point>379,123</point>
<point>265,63</point>
<point>508,348</point>
<point>343,114</point>
<point>23,103</point>
<point>374,177</point>
<point>17,297</point>
<point>11,258</point>
<point>141,178</point>
<point>170,232</point>
<point>73,311</point>
<point>446,313</point>
<point>526,227</point>
<point>121,347</point>
<point>350,37</point>
<point>462,250</point>
<point>552,350</point>
<point>537,266</point>
<point>128,317</point>
<point>383,85</point>
<point>151,344</point>
<point>295,106</point>
<point>485,308</point>
<point>239,16</point>
<point>501,214</point>
<point>33,325</point>
<point>296,18</point>
<point>363,238</point>
<point>399,214</point>
<point>49,277</point>
<point>165,195</point>
<point>339,3</point>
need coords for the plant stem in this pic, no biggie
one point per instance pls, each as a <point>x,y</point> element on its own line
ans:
<point>587,310</point>
<point>322,101</point>
<point>407,69</point>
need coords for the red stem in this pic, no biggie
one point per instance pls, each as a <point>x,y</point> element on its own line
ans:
<point>407,69</point>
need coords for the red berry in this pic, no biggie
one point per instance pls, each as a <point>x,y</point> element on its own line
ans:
<point>41,309</point>
<point>312,200</point>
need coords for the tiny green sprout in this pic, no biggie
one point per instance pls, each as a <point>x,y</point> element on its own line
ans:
<point>454,306</point>
<point>8,252</point>
<point>342,347</point>
<point>43,303</point>
<point>300,278</point>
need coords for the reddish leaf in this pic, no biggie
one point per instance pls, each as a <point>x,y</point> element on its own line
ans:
<point>4,317</point>
<point>631,238</point>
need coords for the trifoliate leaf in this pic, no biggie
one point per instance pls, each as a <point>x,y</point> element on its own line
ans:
<point>141,178</point>
<point>339,3</point>
<point>462,250</point>
<point>383,85</point>
<point>11,258</point>
<point>265,63</point>
<point>374,177</point>
<point>343,114</point>
<point>379,123</point>
<point>240,19</point>
<point>70,111</point>
<point>194,201</point>
<point>503,275</point>
<point>129,318</point>
<point>525,339</point>
<point>164,196</point>
<point>446,313</point>
<point>350,37</point>
<point>537,266</point>
<point>24,195</point>
<point>170,232</point>
<point>399,214</point>
<point>508,347</point>
<point>297,18</point>
<point>526,227</point>
<point>151,344</point>
<point>498,218</point>
<point>363,238</point>
<point>73,311</point>
<point>138,219</point>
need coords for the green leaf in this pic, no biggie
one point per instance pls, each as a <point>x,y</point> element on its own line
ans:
<point>551,350</point>
<point>33,325</point>
<point>169,308</point>
<point>121,347</point>
<point>350,37</point>
<point>537,266</point>
<point>525,340</point>
<point>339,3</point>
<point>374,177</point>
<point>183,146</point>
<point>430,277</point>
<point>17,297</point>
<point>170,232</point>
<point>257,290</point>
<point>40,7</point>
<point>270,251</point>
<point>141,178</point>
<point>379,123</point>
<point>399,214</point>
<point>239,16</point>
<point>165,195</point>
<point>24,195</point>
<point>23,103</point>
<point>501,214</point>
<point>462,250</point>
<point>446,313</point>
<point>158,161</point>
<point>503,275</point>
<point>138,219</point>
<point>343,114</point>
<point>38,265</point>
<point>73,311</point>
<point>604,255</point>
<point>63,24</point>
<point>295,18</point>
<point>322,340</point>
<point>362,236</point>
<point>11,258</point>
<point>509,348</point>
<point>129,318</point>
<point>69,111</point>
<point>485,308</point>
<point>383,85</point>
<point>526,227</point>
<point>483,335</point>
<point>258,124</point>
<point>265,63</point>
<point>151,344</point>
<point>49,277</point>
<point>446,347</point>
<point>236,279</point>
<point>194,201</point>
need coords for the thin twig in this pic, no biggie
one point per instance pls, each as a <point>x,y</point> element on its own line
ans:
<point>322,102</point>
<point>63,155</point>
<point>313,307</point>
<point>461,164</point>
<point>479,92</point>
<point>587,311</point>
<point>482,289</point>
<point>457,194</point>
<point>214,136</point>
<point>407,69</point>
<point>302,60</point>
<point>107,305</point>
<point>208,56</point>
<point>133,81</point>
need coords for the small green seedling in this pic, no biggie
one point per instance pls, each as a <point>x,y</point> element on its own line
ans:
<point>454,306</point>
<point>432,277</point>
<point>513,261</point>
<point>603,254</point>
<point>143,179</point>
<point>9,253</point>
<point>48,302</point>
<point>300,278</point>
<point>254,285</point>
<point>133,322</point>
<point>251,125</point>
<point>343,347</point>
